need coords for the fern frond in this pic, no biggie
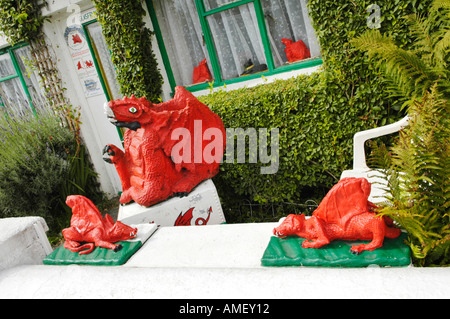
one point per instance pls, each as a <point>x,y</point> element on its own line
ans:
<point>411,74</point>
<point>373,42</point>
<point>440,4</point>
<point>420,28</point>
<point>441,48</point>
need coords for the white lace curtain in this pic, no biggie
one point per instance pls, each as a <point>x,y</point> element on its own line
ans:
<point>235,33</point>
<point>183,37</point>
<point>237,40</point>
<point>31,77</point>
<point>12,94</point>
<point>104,60</point>
<point>289,19</point>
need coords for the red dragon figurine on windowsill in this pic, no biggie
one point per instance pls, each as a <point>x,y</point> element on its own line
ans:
<point>345,213</point>
<point>149,167</point>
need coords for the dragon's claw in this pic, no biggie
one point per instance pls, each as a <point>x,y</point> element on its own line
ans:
<point>180,194</point>
<point>108,150</point>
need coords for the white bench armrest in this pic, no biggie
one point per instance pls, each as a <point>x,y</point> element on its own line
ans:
<point>359,156</point>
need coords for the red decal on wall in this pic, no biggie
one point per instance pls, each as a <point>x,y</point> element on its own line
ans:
<point>76,39</point>
<point>186,218</point>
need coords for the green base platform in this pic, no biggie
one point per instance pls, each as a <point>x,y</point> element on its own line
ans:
<point>289,252</point>
<point>102,256</point>
<point>99,256</point>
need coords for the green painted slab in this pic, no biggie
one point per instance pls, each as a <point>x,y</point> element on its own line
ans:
<point>99,256</point>
<point>289,252</point>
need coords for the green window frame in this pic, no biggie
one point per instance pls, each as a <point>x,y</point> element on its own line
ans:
<point>208,38</point>
<point>101,75</point>
<point>94,57</point>
<point>18,74</point>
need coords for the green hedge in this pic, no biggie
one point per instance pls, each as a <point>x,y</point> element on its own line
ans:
<point>316,122</point>
<point>317,115</point>
<point>21,21</point>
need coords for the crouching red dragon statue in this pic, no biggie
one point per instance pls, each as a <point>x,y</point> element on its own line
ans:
<point>345,213</point>
<point>88,229</point>
<point>148,171</point>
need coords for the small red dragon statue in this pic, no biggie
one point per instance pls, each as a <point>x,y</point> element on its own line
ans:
<point>89,227</point>
<point>345,213</point>
<point>147,168</point>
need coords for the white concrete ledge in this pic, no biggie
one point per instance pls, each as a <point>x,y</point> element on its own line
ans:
<point>23,241</point>
<point>219,262</point>
<point>222,283</point>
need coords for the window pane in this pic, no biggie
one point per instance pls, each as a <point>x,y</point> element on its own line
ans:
<point>30,75</point>
<point>213,4</point>
<point>237,41</point>
<point>13,97</point>
<point>6,66</point>
<point>184,41</point>
<point>289,20</point>
<point>103,57</point>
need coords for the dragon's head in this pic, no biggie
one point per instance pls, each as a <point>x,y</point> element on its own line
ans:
<point>120,232</point>
<point>289,225</point>
<point>128,112</point>
<point>81,205</point>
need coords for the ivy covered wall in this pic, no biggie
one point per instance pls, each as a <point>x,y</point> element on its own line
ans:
<point>130,43</point>
<point>339,21</point>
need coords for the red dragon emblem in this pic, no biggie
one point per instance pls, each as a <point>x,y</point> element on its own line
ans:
<point>76,39</point>
<point>186,218</point>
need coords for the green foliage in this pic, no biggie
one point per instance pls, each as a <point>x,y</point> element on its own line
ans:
<point>316,121</point>
<point>338,22</point>
<point>412,71</point>
<point>41,164</point>
<point>21,20</point>
<point>131,48</point>
<point>418,171</point>
<point>417,166</point>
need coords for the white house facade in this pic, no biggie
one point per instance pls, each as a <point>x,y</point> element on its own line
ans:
<point>203,45</point>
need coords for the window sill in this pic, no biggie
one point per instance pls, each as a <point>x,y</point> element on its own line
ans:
<point>207,87</point>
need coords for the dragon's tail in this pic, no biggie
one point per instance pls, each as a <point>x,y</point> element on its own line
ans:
<point>86,248</point>
<point>82,249</point>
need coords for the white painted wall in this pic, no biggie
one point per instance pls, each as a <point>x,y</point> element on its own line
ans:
<point>96,130</point>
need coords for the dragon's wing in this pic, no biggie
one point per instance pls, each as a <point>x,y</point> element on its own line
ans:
<point>345,200</point>
<point>184,220</point>
<point>84,213</point>
<point>186,113</point>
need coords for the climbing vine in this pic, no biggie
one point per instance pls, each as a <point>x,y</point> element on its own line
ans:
<point>21,21</point>
<point>131,48</point>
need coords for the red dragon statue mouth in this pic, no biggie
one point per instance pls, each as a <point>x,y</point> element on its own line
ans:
<point>135,125</point>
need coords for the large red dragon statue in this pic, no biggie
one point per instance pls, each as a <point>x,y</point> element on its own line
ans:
<point>89,229</point>
<point>155,163</point>
<point>345,213</point>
